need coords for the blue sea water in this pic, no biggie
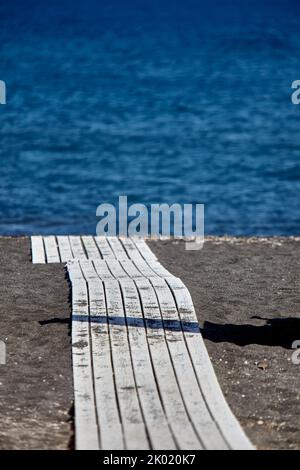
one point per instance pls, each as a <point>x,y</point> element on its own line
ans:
<point>182,101</point>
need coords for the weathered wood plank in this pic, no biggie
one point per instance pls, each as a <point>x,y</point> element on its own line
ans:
<point>102,270</point>
<point>132,419</point>
<point>131,269</point>
<point>64,248</point>
<point>144,249</point>
<point>116,269</point>
<point>156,422</point>
<point>111,434</point>
<point>200,416</point>
<point>105,250</point>
<point>86,435</point>
<point>37,250</point>
<point>90,247</point>
<point>131,249</point>
<point>77,247</point>
<point>117,248</point>
<point>182,429</point>
<point>145,268</point>
<point>52,255</point>
<point>159,270</point>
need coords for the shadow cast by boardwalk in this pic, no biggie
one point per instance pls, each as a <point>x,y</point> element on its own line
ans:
<point>274,332</point>
<point>137,322</point>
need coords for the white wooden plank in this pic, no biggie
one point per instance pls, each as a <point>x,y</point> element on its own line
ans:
<point>131,269</point>
<point>208,382</point>
<point>111,434</point>
<point>151,311</point>
<point>130,248</point>
<point>139,251</point>
<point>116,269</point>
<point>102,270</point>
<point>228,424</point>
<point>52,255</point>
<point>88,270</point>
<point>157,425</point>
<point>64,248</point>
<point>144,249</point>
<point>199,414</point>
<point>77,247</point>
<point>90,247</point>
<point>132,420</point>
<point>117,248</point>
<point>144,269</point>
<point>37,250</point>
<point>158,269</point>
<point>86,435</point>
<point>178,419</point>
<point>104,247</point>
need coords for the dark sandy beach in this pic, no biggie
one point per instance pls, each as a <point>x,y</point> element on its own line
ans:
<point>36,382</point>
<point>246,295</point>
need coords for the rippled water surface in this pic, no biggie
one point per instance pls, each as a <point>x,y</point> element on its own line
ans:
<point>161,101</point>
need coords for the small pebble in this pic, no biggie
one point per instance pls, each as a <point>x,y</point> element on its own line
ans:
<point>262,364</point>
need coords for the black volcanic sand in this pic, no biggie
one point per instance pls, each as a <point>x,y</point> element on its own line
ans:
<point>247,300</point>
<point>36,382</point>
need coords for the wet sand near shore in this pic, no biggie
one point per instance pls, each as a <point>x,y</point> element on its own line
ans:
<point>246,295</point>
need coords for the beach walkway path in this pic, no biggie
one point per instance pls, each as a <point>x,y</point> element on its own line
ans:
<point>142,375</point>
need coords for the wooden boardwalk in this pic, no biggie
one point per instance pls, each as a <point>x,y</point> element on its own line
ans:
<point>142,376</point>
